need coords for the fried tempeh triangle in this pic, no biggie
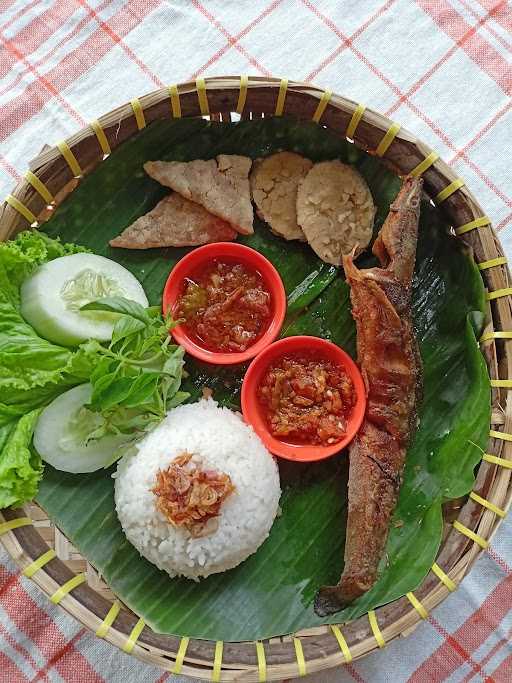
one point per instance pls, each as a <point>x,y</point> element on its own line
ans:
<point>221,186</point>
<point>174,222</point>
<point>391,366</point>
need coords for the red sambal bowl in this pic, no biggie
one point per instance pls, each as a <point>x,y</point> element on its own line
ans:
<point>233,253</point>
<point>255,413</point>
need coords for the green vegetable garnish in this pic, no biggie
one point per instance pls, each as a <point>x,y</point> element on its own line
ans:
<point>20,466</point>
<point>136,377</point>
<point>33,371</point>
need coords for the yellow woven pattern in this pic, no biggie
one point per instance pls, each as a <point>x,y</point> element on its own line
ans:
<point>387,139</point>
<point>425,164</point>
<point>498,293</point>
<point>495,460</point>
<point>139,114</point>
<point>242,95</point>
<point>496,335</point>
<point>281,97</point>
<point>326,96</point>
<point>342,643</point>
<point>102,138</point>
<point>487,504</point>
<point>262,662</point>
<point>477,223</point>
<point>417,605</point>
<point>67,588</point>
<point>354,121</point>
<point>444,578</point>
<point>175,101</point>
<point>500,435</point>
<point>374,625</point>
<point>299,653</point>
<point>34,566</point>
<point>134,635</point>
<point>14,524</point>
<point>501,383</point>
<point>70,158</point>
<point>39,187</point>
<point>470,534</point>
<point>449,190</point>
<point>180,655</point>
<point>500,261</point>
<point>202,97</point>
<point>21,208</point>
<point>217,661</point>
<point>103,628</point>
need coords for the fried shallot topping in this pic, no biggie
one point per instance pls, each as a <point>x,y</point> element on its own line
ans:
<point>190,496</point>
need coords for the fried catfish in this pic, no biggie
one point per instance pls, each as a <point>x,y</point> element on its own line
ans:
<point>391,367</point>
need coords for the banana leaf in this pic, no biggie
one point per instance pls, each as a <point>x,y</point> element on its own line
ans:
<point>272,592</point>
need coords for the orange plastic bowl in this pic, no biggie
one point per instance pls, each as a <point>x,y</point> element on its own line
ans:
<point>254,412</point>
<point>231,251</point>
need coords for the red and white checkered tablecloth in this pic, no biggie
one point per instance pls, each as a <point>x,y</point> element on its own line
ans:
<point>442,68</point>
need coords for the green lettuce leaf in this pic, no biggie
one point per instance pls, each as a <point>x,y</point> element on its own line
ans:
<point>20,466</point>
<point>20,257</point>
<point>33,371</point>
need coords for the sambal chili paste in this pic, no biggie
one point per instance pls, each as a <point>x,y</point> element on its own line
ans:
<point>307,399</point>
<point>226,306</point>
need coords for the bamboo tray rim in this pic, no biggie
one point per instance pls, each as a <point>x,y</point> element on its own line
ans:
<point>49,178</point>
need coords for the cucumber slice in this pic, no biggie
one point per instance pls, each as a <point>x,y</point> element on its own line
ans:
<point>51,299</point>
<point>58,436</point>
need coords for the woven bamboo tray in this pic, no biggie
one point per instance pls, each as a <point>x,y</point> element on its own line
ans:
<point>44,553</point>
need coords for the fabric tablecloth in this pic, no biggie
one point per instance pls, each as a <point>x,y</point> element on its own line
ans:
<point>442,68</point>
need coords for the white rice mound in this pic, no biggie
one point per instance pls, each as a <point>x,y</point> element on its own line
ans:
<point>223,442</point>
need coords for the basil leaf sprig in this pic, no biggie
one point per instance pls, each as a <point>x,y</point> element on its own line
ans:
<point>137,377</point>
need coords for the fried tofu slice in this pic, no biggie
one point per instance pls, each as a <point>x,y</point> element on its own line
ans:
<point>274,182</point>
<point>220,185</point>
<point>335,209</point>
<point>174,222</point>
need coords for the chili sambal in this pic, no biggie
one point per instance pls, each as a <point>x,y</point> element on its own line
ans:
<point>307,399</point>
<point>226,306</point>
